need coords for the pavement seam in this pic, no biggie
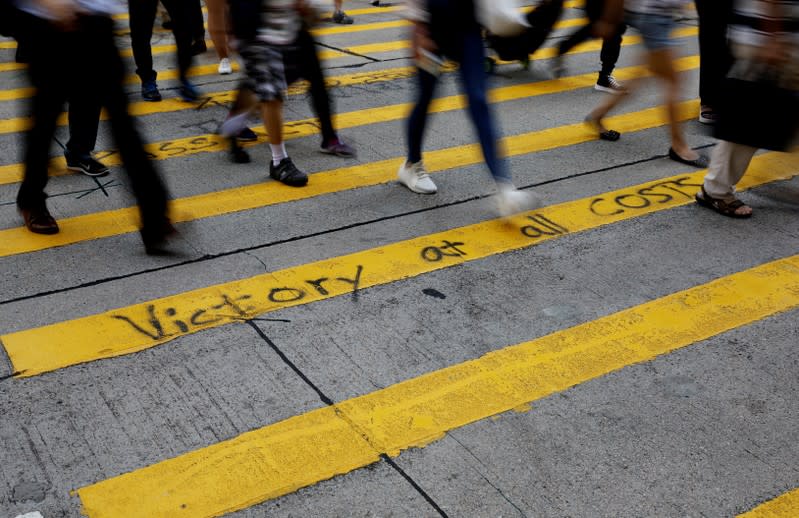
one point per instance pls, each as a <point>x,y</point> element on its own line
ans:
<point>327,400</point>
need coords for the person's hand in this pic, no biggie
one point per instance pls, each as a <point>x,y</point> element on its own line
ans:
<point>421,40</point>
<point>63,13</point>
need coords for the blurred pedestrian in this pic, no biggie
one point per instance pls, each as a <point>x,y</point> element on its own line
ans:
<point>67,38</point>
<point>655,20</point>
<point>264,28</point>
<point>758,106</point>
<point>609,55</point>
<point>184,24</point>
<point>84,122</point>
<point>449,28</point>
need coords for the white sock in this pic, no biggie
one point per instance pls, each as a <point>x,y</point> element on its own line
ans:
<point>278,153</point>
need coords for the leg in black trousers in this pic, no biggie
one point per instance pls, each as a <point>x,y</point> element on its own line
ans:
<point>611,47</point>
<point>46,71</point>
<point>311,70</point>
<point>142,17</point>
<point>84,121</point>
<point>715,57</point>
<point>97,42</point>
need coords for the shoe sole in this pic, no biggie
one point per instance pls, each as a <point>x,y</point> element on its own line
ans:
<point>292,183</point>
<point>416,190</point>
<point>88,173</point>
<point>608,90</point>
<point>705,120</point>
<point>334,153</point>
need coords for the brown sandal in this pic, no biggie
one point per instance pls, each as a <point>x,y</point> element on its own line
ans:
<point>721,206</point>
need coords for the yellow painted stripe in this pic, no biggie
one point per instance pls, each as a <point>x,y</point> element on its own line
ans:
<point>369,48</point>
<point>393,24</point>
<point>302,450</point>
<point>126,330</point>
<point>160,49</point>
<point>11,66</point>
<point>784,506</point>
<point>126,16</point>
<point>12,173</point>
<point>120,221</point>
<point>393,46</point>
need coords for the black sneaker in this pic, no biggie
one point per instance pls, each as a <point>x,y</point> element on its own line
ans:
<point>149,91</point>
<point>88,165</point>
<point>288,173</point>
<point>156,237</point>
<point>608,84</point>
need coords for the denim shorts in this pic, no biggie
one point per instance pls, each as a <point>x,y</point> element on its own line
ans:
<point>655,29</point>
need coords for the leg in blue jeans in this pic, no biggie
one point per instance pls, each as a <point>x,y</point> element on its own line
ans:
<point>473,76</point>
<point>418,119</point>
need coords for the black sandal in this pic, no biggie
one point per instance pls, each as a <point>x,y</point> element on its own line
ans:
<point>700,162</point>
<point>721,206</point>
<point>604,134</point>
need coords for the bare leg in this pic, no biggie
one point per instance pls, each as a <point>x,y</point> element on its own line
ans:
<point>272,112</point>
<point>661,64</point>
<point>218,26</point>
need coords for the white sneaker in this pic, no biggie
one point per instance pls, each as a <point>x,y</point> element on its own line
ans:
<point>510,200</point>
<point>415,178</point>
<point>225,67</point>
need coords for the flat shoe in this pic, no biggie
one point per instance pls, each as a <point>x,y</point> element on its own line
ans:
<point>700,162</point>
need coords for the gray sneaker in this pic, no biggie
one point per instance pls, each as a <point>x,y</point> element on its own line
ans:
<point>342,18</point>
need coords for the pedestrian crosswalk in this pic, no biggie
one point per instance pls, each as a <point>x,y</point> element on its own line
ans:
<point>352,428</point>
<point>285,456</point>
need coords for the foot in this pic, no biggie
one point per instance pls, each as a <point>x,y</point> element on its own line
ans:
<point>247,135</point>
<point>510,200</point>
<point>376,3</point>
<point>237,153</point>
<point>595,123</point>
<point>415,177</point>
<point>234,124</point>
<point>557,66</point>
<point>707,115</point>
<point>198,47</point>
<point>733,209</point>
<point>342,18</point>
<point>156,237</point>
<point>38,220</point>
<point>339,148</point>
<point>608,84</point>
<point>87,165</point>
<point>225,67</point>
<point>188,92</point>
<point>689,157</point>
<point>149,91</point>
<point>288,173</point>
